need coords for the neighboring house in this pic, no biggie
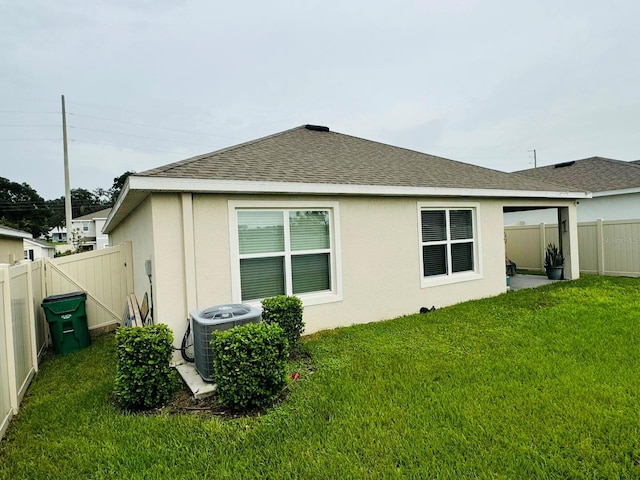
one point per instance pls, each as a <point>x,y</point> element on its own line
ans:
<point>58,234</point>
<point>11,246</point>
<point>359,230</point>
<point>35,248</point>
<point>615,187</point>
<point>89,226</point>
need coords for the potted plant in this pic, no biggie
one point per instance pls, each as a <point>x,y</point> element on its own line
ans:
<point>553,262</point>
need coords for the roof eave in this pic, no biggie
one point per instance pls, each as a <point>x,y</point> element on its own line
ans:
<point>622,191</point>
<point>12,232</point>
<point>137,189</point>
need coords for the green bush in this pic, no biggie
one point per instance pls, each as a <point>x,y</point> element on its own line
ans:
<point>286,312</point>
<point>249,365</point>
<point>144,378</point>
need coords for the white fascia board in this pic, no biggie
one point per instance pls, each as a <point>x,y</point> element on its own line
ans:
<point>116,207</point>
<point>9,232</point>
<point>163,184</point>
<point>167,184</point>
<point>609,193</point>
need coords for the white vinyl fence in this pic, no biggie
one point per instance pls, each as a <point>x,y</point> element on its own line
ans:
<point>105,275</point>
<point>18,337</point>
<point>605,247</point>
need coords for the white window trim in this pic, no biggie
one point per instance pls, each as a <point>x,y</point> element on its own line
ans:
<point>308,299</point>
<point>477,274</point>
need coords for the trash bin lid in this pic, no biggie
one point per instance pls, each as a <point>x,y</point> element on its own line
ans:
<point>64,296</point>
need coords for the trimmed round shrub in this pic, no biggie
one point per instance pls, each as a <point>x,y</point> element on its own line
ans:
<point>249,365</point>
<point>144,377</point>
<point>286,312</point>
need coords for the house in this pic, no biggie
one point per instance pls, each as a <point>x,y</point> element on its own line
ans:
<point>359,230</point>
<point>35,248</point>
<point>89,227</point>
<point>11,246</point>
<point>615,187</point>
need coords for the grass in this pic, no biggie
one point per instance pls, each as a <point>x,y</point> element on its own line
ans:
<point>532,384</point>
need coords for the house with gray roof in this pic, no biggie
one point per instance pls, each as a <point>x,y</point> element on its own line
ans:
<point>88,228</point>
<point>615,187</point>
<point>359,230</point>
<point>11,247</point>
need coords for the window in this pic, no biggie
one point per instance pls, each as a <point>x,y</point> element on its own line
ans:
<point>285,252</point>
<point>448,242</point>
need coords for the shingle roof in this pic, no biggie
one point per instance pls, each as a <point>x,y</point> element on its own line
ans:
<point>13,232</point>
<point>595,174</point>
<point>311,155</point>
<point>42,243</point>
<point>104,213</point>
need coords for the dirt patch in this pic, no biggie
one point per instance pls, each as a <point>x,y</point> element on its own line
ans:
<point>300,367</point>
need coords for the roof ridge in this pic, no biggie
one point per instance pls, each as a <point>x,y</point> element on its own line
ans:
<point>422,153</point>
<point>186,161</point>
<point>594,157</point>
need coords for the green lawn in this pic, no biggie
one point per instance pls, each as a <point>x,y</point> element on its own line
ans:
<point>540,383</point>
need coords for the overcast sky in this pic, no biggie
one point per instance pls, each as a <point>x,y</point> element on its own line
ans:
<point>149,82</point>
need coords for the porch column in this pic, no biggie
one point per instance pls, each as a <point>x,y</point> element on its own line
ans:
<point>568,235</point>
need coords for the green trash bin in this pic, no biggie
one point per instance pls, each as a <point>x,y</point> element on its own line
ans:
<point>67,318</point>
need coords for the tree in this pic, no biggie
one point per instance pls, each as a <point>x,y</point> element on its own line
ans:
<point>21,207</point>
<point>118,185</point>
<point>83,202</point>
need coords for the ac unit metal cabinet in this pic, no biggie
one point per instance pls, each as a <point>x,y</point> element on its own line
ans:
<point>220,317</point>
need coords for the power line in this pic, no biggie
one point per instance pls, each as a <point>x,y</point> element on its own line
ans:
<point>122,146</point>
<point>30,139</point>
<point>142,136</point>
<point>111,107</point>
<point>27,125</point>
<point>27,112</point>
<point>152,126</point>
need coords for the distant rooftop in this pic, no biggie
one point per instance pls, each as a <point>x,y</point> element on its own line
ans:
<point>594,174</point>
<point>104,213</point>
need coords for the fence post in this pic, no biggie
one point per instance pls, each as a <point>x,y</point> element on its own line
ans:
<point>32,317</point>
<point>600,245</point>
<point>8,330</point>
<point>543,244</point>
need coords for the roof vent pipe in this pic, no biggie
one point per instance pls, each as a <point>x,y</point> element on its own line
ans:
<point>317,128</point>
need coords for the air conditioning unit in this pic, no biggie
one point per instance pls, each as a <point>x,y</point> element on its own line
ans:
<point>221,317</point>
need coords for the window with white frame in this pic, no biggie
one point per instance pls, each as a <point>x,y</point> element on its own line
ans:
<point>284,252</point>
<point>448,241</point>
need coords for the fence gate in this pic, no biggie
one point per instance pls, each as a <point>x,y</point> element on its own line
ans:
<point>106,275</point>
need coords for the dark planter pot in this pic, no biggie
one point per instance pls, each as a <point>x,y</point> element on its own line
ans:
<point>554,273</point>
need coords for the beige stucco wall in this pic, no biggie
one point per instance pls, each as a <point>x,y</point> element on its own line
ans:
<point>138,229</point>
<point>11,250</point>
<point>379,246</point>
<point>380,254</point>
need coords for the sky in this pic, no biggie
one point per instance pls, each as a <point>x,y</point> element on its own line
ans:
<point>150,82</point>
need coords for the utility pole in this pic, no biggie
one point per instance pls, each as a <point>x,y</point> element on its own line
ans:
<point>535,162</point>
<point>67,184</point>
